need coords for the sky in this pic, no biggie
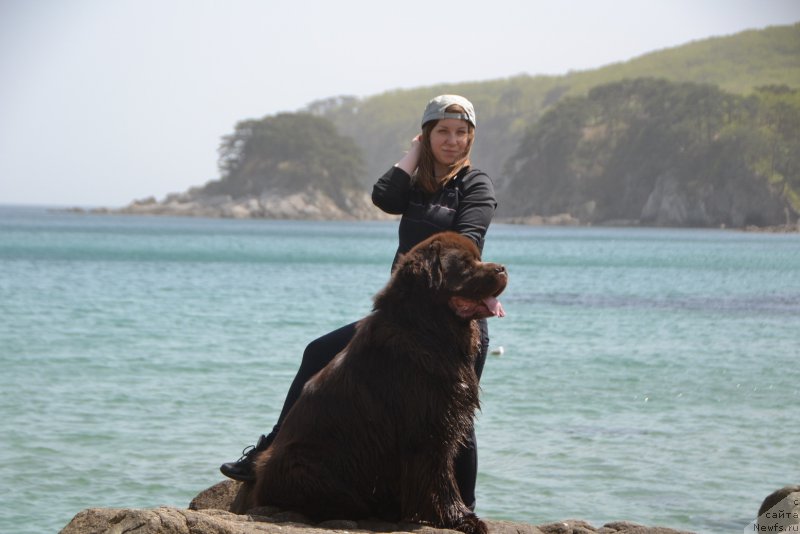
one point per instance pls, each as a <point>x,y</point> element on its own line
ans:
<point>107,101</point>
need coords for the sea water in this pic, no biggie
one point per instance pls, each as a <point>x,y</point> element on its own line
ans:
<point>649,375</point>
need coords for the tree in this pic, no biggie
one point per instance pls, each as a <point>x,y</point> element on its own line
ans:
<point>720,158</point>
<point>287,152</point>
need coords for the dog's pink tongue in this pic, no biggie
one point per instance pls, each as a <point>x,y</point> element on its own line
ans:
<point>495,307</point>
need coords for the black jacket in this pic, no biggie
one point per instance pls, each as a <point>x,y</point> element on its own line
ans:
<point>465,205</point>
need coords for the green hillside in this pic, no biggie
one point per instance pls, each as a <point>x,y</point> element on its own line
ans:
<point>648,151</point>
<point>736,63</point>
<point>383,124</point>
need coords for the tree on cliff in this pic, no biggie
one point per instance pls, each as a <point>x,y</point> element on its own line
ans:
<point>779,129</point>
<point>658,152</point>
<point>287,153</point>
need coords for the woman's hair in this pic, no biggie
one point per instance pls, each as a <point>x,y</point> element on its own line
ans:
<point>425,176</point>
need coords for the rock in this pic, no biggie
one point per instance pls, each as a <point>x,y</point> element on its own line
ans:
<point>777,229</point>
<point>670,204</point>
<point>222,496</point>
<point>215,511</point>
<point>571,526</point>
<point>627,527</point>
<point>780,511</point>
<point>308,204</point>
<point>738,203</point>
<point>560,219</point>
<point>168,521</point>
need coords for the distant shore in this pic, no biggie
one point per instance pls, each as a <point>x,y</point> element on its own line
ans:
<point>562,219</point>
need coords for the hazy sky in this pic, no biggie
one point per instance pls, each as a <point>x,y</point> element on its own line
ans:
<point>106,101</point>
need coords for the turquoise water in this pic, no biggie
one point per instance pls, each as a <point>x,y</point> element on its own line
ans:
<point>648,375</point>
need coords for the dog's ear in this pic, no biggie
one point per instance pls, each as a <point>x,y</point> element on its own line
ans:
<point>423,264</point>
<point>434,268</point>
<point>419,270</point>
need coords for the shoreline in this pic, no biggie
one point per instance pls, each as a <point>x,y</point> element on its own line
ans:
<point>563,219</point>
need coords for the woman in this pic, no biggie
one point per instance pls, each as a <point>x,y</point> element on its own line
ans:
<point>435,189</point>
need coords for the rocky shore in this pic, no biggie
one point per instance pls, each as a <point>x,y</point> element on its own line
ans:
<point>309,204</point>
<point>314,205</point>
<point>218,510</point>
<point>221,509</point>
<point>779,229</point>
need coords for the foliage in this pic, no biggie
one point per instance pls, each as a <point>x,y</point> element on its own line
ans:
<point>719,113</point>
<point>383,124</point>
<point>602,156</point>
<point>736,63</point>
<point>778,128</point>
<point>287,153</point>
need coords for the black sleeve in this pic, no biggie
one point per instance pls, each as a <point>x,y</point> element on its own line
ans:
<point>391,192</point>
<point>476,208</point>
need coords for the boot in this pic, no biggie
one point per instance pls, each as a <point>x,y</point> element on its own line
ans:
<point>242,469</point>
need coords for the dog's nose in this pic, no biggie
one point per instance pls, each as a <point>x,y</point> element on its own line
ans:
<point>500,269</point>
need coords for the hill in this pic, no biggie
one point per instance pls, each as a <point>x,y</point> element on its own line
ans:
<point>288,166</point>
<point>374,132</point>
<point>383,124</point>
<point>647,151</point>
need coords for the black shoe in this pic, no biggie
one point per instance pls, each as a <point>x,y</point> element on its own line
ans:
<point>242,469</point>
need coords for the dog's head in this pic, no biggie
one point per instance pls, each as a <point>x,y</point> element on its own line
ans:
<point>447,268</point>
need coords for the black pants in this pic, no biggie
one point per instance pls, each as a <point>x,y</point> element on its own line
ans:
<point>322,350</point>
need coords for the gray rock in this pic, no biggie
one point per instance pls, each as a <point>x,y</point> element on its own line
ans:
<point>780,510</point>
<point>309,204</point>
<point>218,510</point>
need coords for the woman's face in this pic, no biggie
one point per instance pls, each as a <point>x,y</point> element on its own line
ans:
<point>449,139</point>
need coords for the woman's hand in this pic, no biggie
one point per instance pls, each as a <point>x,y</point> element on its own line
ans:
<point>410,160</point>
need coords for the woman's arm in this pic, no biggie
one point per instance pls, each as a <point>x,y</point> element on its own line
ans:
<point>410,160</point>
<point>476,208</point>
<point>390,192</point>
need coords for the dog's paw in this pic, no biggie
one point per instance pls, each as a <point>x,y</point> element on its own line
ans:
<point>470,524</point>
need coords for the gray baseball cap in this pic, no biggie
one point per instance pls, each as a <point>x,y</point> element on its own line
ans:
<point>435,110</point>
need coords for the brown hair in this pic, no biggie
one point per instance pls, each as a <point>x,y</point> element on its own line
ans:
<point>425,176</point>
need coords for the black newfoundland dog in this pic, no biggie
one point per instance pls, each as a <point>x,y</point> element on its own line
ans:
<point>374,434</point>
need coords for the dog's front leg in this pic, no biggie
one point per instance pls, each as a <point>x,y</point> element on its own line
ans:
<point>438,503</point>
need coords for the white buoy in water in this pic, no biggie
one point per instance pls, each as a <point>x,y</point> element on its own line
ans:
<point>498,351</point>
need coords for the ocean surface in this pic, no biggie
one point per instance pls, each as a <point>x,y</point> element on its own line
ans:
<point>649,375</point>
